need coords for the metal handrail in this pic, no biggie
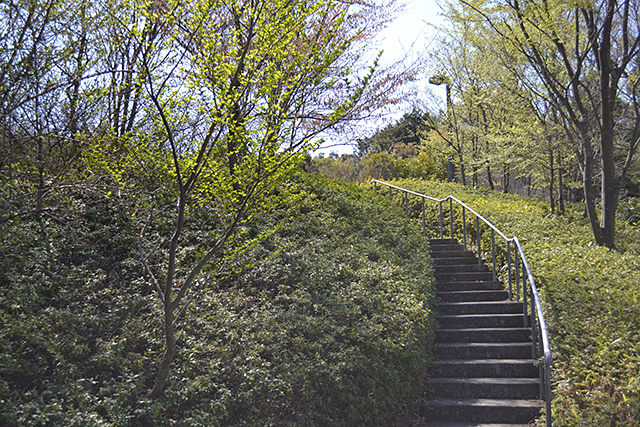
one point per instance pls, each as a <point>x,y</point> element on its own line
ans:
<point>533,315</point>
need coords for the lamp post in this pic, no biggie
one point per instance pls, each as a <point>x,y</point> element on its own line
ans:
<point>440,80</point>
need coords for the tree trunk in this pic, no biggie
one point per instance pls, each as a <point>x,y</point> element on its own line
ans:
<point>506,177</point>
<point>169,353</point>
<point>463,175</point>
<point>551,182</point>
<point>170,305</point>
<point>560,184</point>
<point>590,194</point>
<point>489,178</point>
<point>41,188</point>
<point>608,85</point>
<point>609,190</point>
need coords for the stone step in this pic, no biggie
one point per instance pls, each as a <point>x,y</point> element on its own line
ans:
<point>514,350</point>
<point>481,321</point>
<point>460,254</point>
<point>461,268</point>
<point>460,258</point>
<point>482,307</point>
<point>485,388</point>
<point>509,411</point>
<point>446,248</point>
<point>473,295</point>
<point>484,372</point>
<point>474,276</point>
<point>470,286</point>
<point>485,368</point>
<point>443,241</point>
<point>479,335</point>
<point>447,245</point>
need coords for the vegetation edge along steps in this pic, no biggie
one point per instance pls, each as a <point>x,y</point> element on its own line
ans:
<point>484,371</point>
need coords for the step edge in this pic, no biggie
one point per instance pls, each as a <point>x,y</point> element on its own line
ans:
<point>526,362</point>
<point>529,403</point>
<point>486,380</point>
<point>486,344</point>
<point>512,329</point>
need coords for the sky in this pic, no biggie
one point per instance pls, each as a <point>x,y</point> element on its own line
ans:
<point>410,27</point>
<point>408,33</point>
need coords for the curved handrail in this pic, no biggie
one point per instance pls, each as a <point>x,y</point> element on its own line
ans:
<point>536,320</point>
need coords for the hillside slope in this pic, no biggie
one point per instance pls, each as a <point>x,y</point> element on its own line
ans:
<point>591,297</point>
<point>328,321</point>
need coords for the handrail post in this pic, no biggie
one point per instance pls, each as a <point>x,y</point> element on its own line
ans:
<point>451,215</point>
<point>493,253</point>
<point>547,382</point>
<point>524,299</point>
<point>464,228</point>
<point>424,223</point>
<point>406,204</point>
<point>534,332</point>
<point>509,268</point>
<point>479,238</point>
<point>541,354</point>
<point>441,222</point>
<point>517,261</point>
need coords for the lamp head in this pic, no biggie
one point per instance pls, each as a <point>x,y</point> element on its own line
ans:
<point>439,80</point>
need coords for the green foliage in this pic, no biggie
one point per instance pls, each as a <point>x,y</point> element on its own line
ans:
<point>188,119</point>
<point>425,165</point>
<point>327,321</point>
<point>630,210</point>
<point>590,296</point>
<point>346,167</point>
<point>75,315</point>
<point>402,138</point>
<point>511,64</point>
<point>193,115</point>
<point>379,166</point>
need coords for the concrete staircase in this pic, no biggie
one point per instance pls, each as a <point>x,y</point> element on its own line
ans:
<point>484,374</point>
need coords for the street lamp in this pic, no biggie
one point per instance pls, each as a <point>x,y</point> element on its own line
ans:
<point>442,80</point>
<point>438,80</point>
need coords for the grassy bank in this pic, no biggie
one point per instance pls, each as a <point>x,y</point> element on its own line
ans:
<point>328,321</point>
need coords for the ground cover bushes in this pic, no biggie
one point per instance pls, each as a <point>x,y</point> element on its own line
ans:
<point>327,321</point>
<point>75,320</point>
<point>590,295</point>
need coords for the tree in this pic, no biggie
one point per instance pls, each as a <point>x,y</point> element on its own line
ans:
<point>218,98</point>
<point>585,55</point>
<point>54,56</point>
<point>490,123</point>
<point>379,166</point>
<point>239,88</point>
<point>401,138</point>
<point>36,116</point>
